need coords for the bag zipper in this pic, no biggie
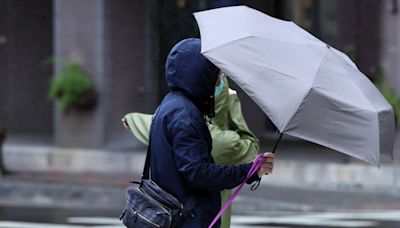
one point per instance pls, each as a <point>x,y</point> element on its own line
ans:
<point>135,214</point>
<point>166,209</point>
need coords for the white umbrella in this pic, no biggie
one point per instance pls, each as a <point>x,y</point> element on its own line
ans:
<point>307,88</point>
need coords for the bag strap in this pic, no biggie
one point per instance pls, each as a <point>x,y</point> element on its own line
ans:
<point>146,168</point>
<point>190,202</point>
<point>256,165</point>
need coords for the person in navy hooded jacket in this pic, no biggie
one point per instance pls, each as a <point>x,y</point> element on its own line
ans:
<point>181,161</point>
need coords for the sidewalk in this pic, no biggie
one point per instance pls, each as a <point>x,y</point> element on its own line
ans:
<point>298,163</point>
<point>48,176</point>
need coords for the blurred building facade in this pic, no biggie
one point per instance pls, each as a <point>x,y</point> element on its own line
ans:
<point>122,46</point>
<point>115,43</point>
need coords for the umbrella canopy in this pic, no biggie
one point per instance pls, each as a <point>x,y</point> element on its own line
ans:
<point>307,88</point>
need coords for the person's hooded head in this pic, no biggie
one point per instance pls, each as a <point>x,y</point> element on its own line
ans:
<point>188,71</point>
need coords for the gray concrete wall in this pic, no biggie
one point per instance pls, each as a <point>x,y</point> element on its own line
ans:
<point>79,36</point>
<point>131,56</point>
<point>390,59</point>
<point>116,43</point>
<point>25,35</point>
<point>359,24</point>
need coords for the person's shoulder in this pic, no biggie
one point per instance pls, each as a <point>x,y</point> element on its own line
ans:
<point>180,107</point>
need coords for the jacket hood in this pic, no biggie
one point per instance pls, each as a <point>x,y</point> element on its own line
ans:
<point>187,70</point>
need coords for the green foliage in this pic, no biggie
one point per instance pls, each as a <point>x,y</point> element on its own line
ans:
<point>388,93</point>
<point>351,50</point>
<point>69,85</point>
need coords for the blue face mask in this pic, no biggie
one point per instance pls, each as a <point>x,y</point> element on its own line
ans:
<point>219,87</point>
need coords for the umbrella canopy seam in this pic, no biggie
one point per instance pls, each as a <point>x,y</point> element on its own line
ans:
<point>290,130</point>
<point>308,92</point>
<point>247,25</point>
<point>226,45</point>
<point>230,43</point>
<point>287,75</point>
<point>334,99</point>
<point>352,78</point>
<point>332,146</point>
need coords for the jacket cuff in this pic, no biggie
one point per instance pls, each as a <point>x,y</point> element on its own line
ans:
<point>254,177</point>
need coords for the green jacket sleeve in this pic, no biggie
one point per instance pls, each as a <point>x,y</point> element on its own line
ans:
<point>139,124</point>
<point>237,145</point>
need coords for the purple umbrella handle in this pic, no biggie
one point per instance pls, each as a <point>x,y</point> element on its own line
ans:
<point>255,185</point>
<point>254,168</point>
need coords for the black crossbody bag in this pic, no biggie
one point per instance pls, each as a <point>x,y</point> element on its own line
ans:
<point>148,205</point>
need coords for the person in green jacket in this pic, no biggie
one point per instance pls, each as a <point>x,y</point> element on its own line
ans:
<point>233,142</point>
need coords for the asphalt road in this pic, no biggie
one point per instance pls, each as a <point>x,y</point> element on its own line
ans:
<point>269,206</point>
<point>46,218</point>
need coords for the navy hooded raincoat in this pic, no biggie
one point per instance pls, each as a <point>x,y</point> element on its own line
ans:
<point>181,161</point>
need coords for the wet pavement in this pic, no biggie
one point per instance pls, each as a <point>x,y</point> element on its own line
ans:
<point>56,199</point>
<point>268,206</point>
<point>59,218</point>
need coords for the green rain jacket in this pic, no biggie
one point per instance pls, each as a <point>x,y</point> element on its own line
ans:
<point>233,142</point>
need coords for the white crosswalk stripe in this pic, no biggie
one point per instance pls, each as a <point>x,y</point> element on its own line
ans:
<point>326,219</point>
<point>370,215</point>
<point>85,222</point>
<point>255,220</point>
<point>309,222</point>
<point>93,220</point>
<point>12,224</point>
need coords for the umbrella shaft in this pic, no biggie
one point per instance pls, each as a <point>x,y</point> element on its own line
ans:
<point>277,142</point>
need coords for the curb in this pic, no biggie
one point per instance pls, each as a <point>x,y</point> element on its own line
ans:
<point>49,159</point>
<point>335,176</point>
<point>70,160</point>
<point>15,193</point>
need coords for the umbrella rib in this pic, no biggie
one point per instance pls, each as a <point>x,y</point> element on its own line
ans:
<point>329,145</point>
<point>321,44</point>
<point>226,44</point>
<point>352,80</point>
<point>288,75</point>
<point>308,92</point>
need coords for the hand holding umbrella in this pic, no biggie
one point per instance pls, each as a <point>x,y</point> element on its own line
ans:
<point>267,164</point>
